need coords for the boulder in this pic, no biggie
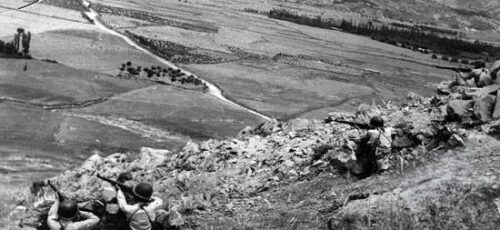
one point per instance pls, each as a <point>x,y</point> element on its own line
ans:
<point>245,132</point>
<point>341,160</point>
<point>415,97</point>
<point>268,127</point>
<point>483,108</point>
<point>496,110</point>
<point>459,109</point>
<point>169,220</point>
<point>491,89</point>
<point>297,124</point>
<point>91,163</point>
<point>150,157</point>
<point>444,88</point>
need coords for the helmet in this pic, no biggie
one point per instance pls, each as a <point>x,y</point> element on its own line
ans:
<point>377,122</point>
<point>67,209</point>
<point>124,176</point>
<point>479,64</point>
<point>143,191</point>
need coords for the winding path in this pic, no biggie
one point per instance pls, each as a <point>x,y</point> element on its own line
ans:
<point>212,89</point>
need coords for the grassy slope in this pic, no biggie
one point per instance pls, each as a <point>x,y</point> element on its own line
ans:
<point>343,68</point>
<point>88,49</point>
<point>57,84</point>
<point>32,135</point>
<point>188,112</point>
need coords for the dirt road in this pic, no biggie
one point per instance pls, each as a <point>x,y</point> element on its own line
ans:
<point>212,89</point>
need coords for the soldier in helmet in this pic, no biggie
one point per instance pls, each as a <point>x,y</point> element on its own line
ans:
<point>64,215</point>
<point>141,214</point>
<point>375,148</point>
<point>480,76</point>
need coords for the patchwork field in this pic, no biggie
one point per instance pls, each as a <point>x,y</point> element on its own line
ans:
<point>283,69</point>
<point>57,114</point>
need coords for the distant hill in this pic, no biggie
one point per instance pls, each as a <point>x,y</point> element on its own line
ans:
<point>455,14</point>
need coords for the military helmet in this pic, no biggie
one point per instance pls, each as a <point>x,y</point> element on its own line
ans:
<point>479,64</point>
<point>68,209</point>
<point>377,122</point>
<point>143,191</point>
<point>124,176</point>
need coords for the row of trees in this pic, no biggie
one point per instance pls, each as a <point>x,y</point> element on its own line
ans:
<point>414,36</point>
<point>419,38</point>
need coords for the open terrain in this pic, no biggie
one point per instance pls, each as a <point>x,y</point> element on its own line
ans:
<point>57,114</point>
<point>322,69</point>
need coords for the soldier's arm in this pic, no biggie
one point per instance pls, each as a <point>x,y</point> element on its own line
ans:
<point>89,222</point>
<point>122,203</point>
<point>157,202</point>
<point>52,216</point>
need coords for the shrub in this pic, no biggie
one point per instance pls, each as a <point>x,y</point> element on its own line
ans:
<point>434,56</point>
<point>445,58</point>
<point>454,60</point>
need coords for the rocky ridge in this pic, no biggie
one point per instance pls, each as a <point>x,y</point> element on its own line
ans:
<point>222,183</point>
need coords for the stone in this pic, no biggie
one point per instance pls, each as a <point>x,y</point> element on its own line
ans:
<point>491,89</point>
<point>297,124</point>
<point>414,97</point>
<point>18,212</point>
<point>150,157</point>
<point>268,127</point>
<point>444,88</point>
<point>245,132</point>
<point>459,109</point>
<point>91,163</point>
<point>341,160</point>
<point>483,108</point>
<point>496,110</point>
<point>288,163</point>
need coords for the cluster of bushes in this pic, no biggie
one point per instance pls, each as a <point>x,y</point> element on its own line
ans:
<point>7,48</point>
<point>175,75</point>
<point>414,36</point>
<point>287,15</point>
<point>453,59</point>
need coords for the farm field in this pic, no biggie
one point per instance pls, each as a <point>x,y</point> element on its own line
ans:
<point>322,69</point>
<point>51,113</point>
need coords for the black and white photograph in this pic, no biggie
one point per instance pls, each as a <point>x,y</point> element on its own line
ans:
<point>249,114</point>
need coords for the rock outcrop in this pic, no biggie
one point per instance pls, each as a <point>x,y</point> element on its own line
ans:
<point>204,181</point>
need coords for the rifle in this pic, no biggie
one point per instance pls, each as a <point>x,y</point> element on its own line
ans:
<point>122,186</point>
<point>456,69</point>
<point>59,194</point>
<point>355,124</point>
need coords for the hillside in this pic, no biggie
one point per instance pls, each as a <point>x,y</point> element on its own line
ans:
<point>452,14</point>
<point>276,176</point>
